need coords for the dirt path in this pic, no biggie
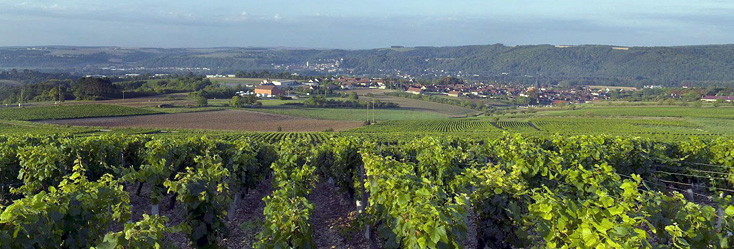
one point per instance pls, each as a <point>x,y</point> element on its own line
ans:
<point>331,219</point>
<point>248,217</point>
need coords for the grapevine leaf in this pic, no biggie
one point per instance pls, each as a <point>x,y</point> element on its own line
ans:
<point>729,211</point>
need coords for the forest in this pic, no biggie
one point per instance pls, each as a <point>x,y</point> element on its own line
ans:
<point>591,64</point>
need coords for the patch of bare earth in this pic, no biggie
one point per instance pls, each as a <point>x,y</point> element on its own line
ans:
<point>233,120</point>
<point>332,218</point>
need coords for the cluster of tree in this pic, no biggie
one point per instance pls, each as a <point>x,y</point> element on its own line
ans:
<point>321,102</point>
<point>52,90</point>
<point>89,88</point>
<point>449,80</point>
<point>200,101</point>
<point>246,101</point>
<point>168,85</point>
<point>670,93</point>
<point>86,88</point>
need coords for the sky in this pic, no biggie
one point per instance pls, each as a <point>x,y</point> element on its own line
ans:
<point>348,24</point>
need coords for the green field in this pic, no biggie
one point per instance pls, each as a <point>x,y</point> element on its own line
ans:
<point>70,111</point>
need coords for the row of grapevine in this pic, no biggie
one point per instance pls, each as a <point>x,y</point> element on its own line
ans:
<point>437,126</point>
<point>411,196</point>
<point>195,172</point>
<point>287,211</point>
<point>517,126</point>
<point>557,192</point>
<point>660,129</point>
<point>275,137</point>
<point>550,191</point>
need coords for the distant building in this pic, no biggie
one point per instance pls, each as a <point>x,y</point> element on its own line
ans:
<point>268,91</point>
<point>415,90</point>
<point>347,85</point>
<point>559,102</point>
<point>455,94</point>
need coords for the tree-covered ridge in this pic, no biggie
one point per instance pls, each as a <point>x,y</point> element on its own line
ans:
<point>660,65</point>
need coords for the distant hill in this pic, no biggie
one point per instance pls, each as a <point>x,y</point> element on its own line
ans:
<point>554,64</point>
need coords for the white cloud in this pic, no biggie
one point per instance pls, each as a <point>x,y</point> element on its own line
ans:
<point>244,13</point>
<point>276,17</point>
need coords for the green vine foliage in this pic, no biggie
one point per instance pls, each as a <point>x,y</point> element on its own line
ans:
<point>74,215</point>
<point>524,192</point>
<point>148,233</point>
<point>498,199</point>
<point>41,168</point>
<point>287,211</point>
<point>685,224</point>
<point>204,195</point>
<point>9,168</point>
<point>606,218</point>
<point>286,221</point>
<point>164,158</point>
<point>419,213</point>
<point>339,159</point>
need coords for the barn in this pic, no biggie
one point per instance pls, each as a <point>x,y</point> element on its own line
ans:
<point>268,91</point>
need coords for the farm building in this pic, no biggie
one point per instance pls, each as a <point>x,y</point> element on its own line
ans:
<point>415,90</point>
<point>268,91</point>
<point>454,94</point>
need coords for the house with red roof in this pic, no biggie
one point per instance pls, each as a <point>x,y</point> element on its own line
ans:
<point>268,91</point>
<point>415,90</point>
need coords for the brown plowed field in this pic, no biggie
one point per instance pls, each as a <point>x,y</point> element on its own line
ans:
<point>234,120</point>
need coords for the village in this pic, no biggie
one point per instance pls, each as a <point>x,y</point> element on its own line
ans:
<point>521,95</point>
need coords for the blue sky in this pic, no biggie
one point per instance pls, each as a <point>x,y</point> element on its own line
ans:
<point>363,24</point>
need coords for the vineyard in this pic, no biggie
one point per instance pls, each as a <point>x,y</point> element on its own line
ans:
<point>509,191</point>
<point>542,126</point>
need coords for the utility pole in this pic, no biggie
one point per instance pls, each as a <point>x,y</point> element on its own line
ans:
<point>373,110</point>
<point>20,101</point>
<point>368,112</point>
<point>58,98</point>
